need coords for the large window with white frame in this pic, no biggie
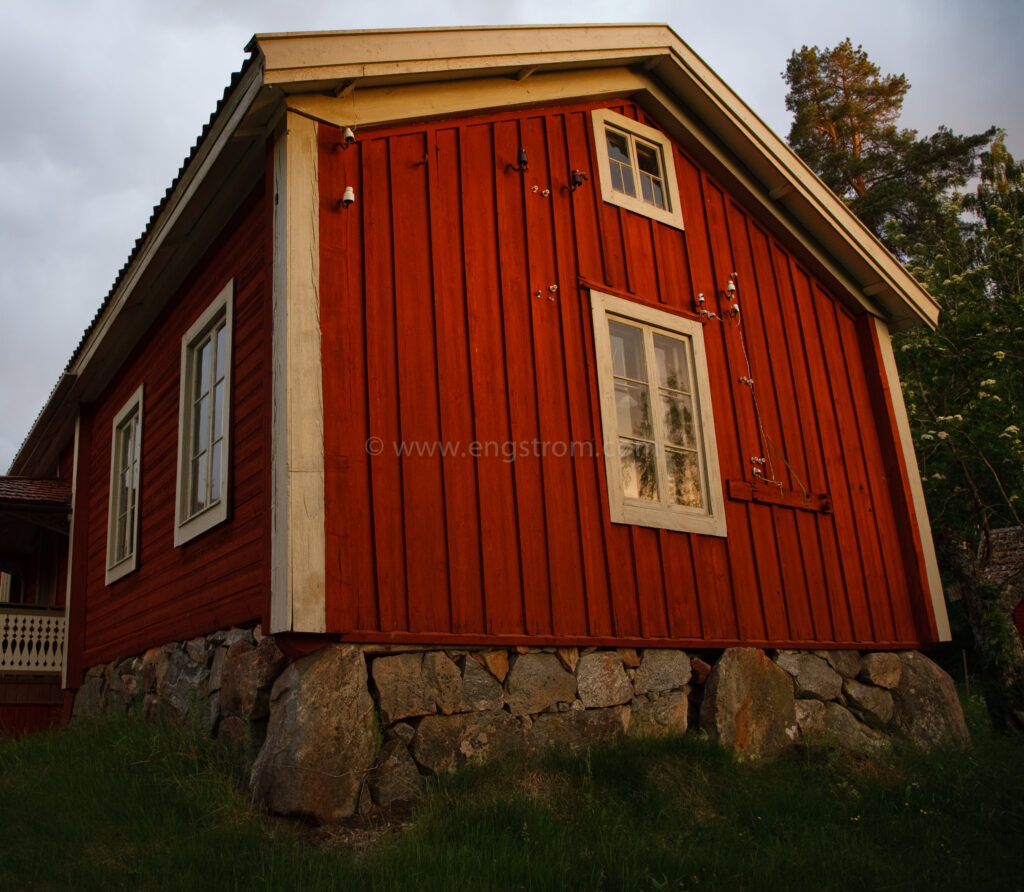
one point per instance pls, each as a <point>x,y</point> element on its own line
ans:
<point>203,421</point>
<point>123,508</point>
<point>635,167</point>
<point>659,434</point>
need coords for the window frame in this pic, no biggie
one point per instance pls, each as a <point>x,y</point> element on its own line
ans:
<point>189,524</point>
<point>605,119</point>
<point>130,413</point>
<point>707,520</point>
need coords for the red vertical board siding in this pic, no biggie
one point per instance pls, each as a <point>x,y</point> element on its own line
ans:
<point>494,526</point>
<point>462,503</point>
<point>222,577</point>
<point>349,547</point>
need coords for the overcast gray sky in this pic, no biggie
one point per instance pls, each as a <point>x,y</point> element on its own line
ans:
<point>102,100</point>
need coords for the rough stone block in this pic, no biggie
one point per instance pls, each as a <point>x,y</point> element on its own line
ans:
<point>321,738</point>
<point>810,719</point>
<point>480,690</point>
<point>845,662</point>
<point>873,706</point>
<point>813,677</point>
<point>577,730</point>
<point>660,713</point>
<point>443,742</point>
<point>844,731</point>
<point>601,680</point>
<point>881,669</point>
<point>927,709</point>
<point>402,691</point>
<point>395,778</point>
<point>662,670</point>
<point>536,682</point>
<point>444,677</point>
<point>748,704</point>
<point>247,676</point>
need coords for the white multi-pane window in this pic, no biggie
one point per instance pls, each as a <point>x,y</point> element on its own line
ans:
<point>635,167</point>
<point>203,429</point>
<point>659,440</point>
<point>125,468</point>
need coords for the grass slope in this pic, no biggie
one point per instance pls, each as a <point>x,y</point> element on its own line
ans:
<point>129,805</point>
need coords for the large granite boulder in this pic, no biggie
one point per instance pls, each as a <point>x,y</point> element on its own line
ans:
<point>748,704</point>
<point>321,738</point>
<point>927,709</point>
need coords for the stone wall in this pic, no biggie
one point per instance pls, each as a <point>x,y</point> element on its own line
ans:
<point>348,727</point>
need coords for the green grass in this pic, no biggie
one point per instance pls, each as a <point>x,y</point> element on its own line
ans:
<point>129,805</point>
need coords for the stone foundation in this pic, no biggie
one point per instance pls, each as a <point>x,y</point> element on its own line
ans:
<point>347,727</point>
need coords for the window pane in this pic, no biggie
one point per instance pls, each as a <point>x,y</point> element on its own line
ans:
<point>633,407</point>
<point>658,199</point>
<point>618,147</point>
<point>673,365</point>
<point>677,416</point>
<point>639,478</point>
<point>684,484</point>
<point>648,160</point>
<point>627,351</point>
<point>201,383</point>
<point>628,186</point>
<point>201,425</point>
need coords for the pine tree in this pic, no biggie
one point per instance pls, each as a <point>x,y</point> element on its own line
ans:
<point>845,127</point>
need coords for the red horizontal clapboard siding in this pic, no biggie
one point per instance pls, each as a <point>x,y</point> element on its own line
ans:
<point>223,576</point>
<point>455,309</point>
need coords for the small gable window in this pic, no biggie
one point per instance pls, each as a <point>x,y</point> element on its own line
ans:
<point>659,435</point>
<point>635,167</point>
<point>123,511</point>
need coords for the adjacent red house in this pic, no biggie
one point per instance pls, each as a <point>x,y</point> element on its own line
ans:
<point>493,336</point>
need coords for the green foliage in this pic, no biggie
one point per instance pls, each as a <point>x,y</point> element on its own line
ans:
<point>845,128</point>
<point>126,805</point>
<point>964,383</point>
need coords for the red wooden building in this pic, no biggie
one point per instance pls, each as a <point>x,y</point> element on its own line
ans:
<point>500,335</point>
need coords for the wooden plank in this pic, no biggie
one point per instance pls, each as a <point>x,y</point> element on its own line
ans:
<point>461,494</point>
<point>503,604</point>
<point>426,584</point>
<point>745,533</point>
<point>351,596</point>
<point>804,450</point>
<point>565,574</point>
<point>513,190</point>
<point>714,584</point>
<point>387,512</point>
<point>576,224</point>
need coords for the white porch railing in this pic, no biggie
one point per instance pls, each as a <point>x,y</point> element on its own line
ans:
<point>31,640</point>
